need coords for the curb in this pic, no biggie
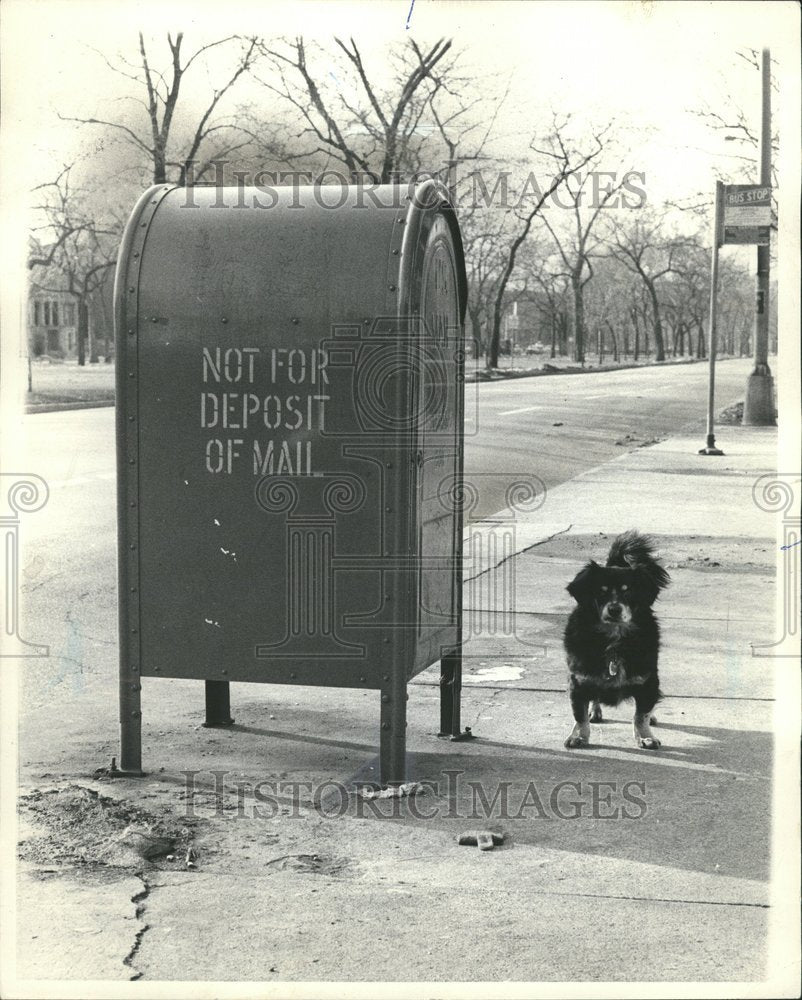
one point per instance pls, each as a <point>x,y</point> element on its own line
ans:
<point>54,407</point>
<point>500,376</point>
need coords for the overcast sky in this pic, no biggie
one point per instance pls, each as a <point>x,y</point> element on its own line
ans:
<point>647,63</point>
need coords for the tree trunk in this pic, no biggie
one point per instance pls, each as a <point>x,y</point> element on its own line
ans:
<point>615,341</point>
<point>90,329</point>
<point>700,341</point>
<point>579,320</point>
<point>553,336</point>
<point>476,331</point>
<point>83,327</point>
<point>657,326</point>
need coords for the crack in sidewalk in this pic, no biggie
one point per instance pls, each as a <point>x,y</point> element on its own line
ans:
<point>513,555</point>
<point>651,899</point>
<point>138,899</point>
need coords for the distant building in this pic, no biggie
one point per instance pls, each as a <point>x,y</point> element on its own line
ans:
<point>52,324</point>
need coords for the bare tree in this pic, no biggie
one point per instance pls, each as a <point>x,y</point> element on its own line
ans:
<point>370,128</point>
<point>170,150</point>
<point>643,248</point>
<point>72,251</point>
<point>576,242</point>
<point>561,161</point>
<point>731,121</point>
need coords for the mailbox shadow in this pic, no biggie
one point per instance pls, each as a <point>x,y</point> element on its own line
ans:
<point>703,808</point>
<point>303,738</point>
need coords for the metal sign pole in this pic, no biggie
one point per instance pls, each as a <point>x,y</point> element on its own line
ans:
<point>759,401</point>
<point>710,448</point>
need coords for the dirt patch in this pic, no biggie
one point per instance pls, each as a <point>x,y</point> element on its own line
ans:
<point>734,554</point>
<point>312,864</point>
<point>735,414</point>
<point>77,826</point>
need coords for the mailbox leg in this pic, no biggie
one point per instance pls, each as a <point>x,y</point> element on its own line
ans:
<point>393,738</point>
<point>218,705</point>
<point>130,725</point>
<point>451,693</point>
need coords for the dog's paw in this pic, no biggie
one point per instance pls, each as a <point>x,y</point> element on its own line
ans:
<point>573,742</point>
<point>648,743</point>
<point>596,714</point>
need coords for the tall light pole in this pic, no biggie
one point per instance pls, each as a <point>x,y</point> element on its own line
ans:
<point>759,403</point>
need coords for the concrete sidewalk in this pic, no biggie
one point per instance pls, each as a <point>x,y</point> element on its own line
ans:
<point>619,864</point>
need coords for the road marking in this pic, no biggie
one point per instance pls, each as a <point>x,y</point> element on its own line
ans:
<point>84,480</point>
<point>523,409</point>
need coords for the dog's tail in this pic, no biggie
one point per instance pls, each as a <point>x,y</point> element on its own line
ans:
<point>632,550</point>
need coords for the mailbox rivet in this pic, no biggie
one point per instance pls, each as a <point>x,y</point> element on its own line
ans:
<point>133,631</point>
<point>400,219</point>
<point>395,253</point>
<point>133,590</point>
<point>387,597</point>
<point>386,677</point>
<point>154,319</point>
<point>223,671</point>
<point>132,290</point>
<point>132,546</point>
<point>132,461</point>
<point>388,510</point>
<point>385,725</point>
<point>366,322</point>
<point>131,374</point>
<point>144,224</point>
<point>131,420</point>
<point>385,698</point>
<point>134,668</point>
<point>132,503</point>
<point>388,465</point>
<point>157,669</point>
<point>134,714</point>
<point>136,253</point>
<point>392,288</point>
<point>131,331</point>
<point>136,687</point>
<point>224,319</point>
<point>362,680</point>
<point>293,676</point>
<point>295,321</point>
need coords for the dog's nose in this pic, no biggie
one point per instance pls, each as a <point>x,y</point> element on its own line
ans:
<point>614,610</point>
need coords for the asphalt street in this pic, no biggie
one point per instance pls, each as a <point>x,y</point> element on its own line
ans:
<point>555,427</point>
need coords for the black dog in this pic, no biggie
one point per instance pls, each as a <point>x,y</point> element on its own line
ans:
<point>612,638</point>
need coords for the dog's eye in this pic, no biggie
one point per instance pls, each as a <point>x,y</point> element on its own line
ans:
<point>624,586</point>
<point>604,590</point>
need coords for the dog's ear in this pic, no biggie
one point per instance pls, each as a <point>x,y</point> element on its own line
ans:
<point>582,584</point>
<point>646,590</point>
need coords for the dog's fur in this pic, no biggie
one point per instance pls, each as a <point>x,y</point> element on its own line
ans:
<point>612,637</point>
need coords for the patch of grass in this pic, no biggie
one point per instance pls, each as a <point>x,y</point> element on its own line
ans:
<point>70,383</point>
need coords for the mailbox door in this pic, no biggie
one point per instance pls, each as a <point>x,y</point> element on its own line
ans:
<point>439,445</point>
